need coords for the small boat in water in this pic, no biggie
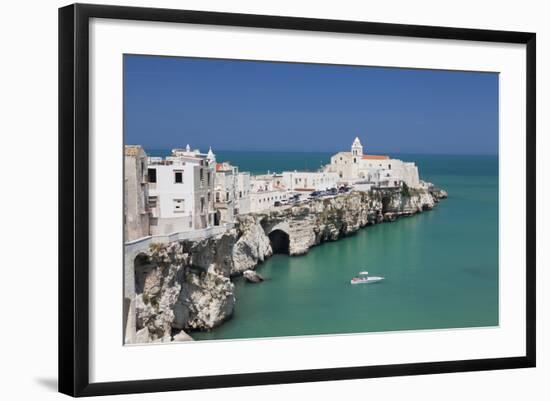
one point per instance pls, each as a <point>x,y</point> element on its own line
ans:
<point>364,278</point>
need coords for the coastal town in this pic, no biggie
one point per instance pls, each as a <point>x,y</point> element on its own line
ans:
<point>191,192</point>
<point>192,224</point>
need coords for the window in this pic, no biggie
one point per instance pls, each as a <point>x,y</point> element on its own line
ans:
<point>208,196</point>
<point>355,160</point>
<point>152,202</point>
<point>240,194</point>
<point>389,166</point>
<point>179,205</point>
<point>202,204</point>
<point>178,177</point>
<point>217,196</point>
<point>226,195</point>
<point>201,175</point>
<point>152,175</point>
<point>208,178</point>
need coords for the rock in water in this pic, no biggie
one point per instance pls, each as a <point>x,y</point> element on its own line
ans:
<point>252,277</point>
<point>182,336</point>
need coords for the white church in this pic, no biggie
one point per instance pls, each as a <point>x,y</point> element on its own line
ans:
<point>377,170</point>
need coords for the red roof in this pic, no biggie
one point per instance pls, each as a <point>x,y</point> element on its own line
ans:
<point>375,157</point>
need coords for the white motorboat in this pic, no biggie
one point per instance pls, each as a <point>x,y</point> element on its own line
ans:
<point>364,278</point>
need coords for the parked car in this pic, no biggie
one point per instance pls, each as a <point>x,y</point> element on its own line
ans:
<point>344,189</point>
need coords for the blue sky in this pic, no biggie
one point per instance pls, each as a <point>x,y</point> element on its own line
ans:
<point>246,105</point>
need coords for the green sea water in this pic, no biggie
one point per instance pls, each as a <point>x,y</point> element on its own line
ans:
<point>441,266</point>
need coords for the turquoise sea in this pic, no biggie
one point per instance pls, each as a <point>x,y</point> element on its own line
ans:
<point>441,266</point>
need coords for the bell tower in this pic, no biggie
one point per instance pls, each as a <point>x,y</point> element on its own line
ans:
<point>211,156</point>
<point>356,150</point>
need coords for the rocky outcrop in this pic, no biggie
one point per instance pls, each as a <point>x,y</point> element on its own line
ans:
<point>186,285</point>
<point>252,246</point>
<point>252,277</point>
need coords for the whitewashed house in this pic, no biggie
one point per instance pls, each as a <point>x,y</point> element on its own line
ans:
<point>242,193</point>
<point>310,181</point>
<point>232,192</point>
<point>266,190</point>
<point>181,191</point>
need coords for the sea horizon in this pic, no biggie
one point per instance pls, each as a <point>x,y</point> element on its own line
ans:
<point>429,165</point>
<point>332,152</point>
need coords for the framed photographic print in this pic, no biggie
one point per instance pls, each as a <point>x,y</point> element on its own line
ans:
<point>277,199</point>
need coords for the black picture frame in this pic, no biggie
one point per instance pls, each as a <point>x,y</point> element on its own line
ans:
<point>74,198</point>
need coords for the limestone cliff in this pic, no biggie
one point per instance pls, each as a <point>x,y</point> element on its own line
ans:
<point>186,285</point>
<point>327,219</point>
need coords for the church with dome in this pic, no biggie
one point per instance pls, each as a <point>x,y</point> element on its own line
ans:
<point>380,171</point>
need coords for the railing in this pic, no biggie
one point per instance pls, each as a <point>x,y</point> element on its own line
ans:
<point>143,243</point>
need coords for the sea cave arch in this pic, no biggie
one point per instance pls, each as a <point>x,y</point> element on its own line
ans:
<point>280,241</point>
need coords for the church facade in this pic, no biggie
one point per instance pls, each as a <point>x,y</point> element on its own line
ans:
<point>378,170</point>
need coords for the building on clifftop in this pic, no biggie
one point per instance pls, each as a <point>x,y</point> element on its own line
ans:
<point>181,191</point>
<point>380,171</point>
<point>232,192</point>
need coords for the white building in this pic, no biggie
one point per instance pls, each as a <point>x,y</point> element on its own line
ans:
<point>181,191</point>
<point>232,192</point>
<point>242,193</point>
<point>136,212</point>
<point>309,181</point>
<point>378,170</point>
<point>265,191</point>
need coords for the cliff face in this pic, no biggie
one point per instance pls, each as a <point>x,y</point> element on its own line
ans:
<point>186,285</point>
<point>328,219</point>
<point>252,245</point>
